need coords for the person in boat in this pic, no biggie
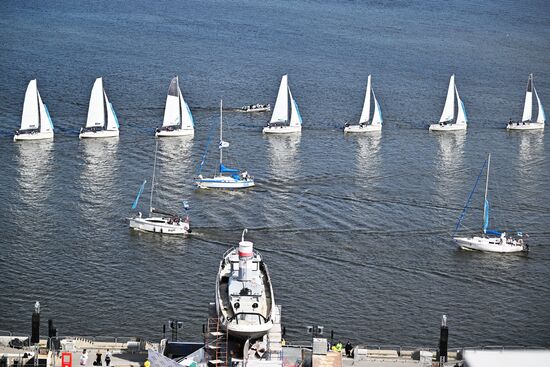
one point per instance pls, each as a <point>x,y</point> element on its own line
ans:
<point>510,122</point>
<point>245,175</point>
<point>346,124</point>
<point>348,349</point>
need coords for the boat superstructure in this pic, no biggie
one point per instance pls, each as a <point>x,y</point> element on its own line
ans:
<point>365,123</point>
<point>102,121</point>
<point>448,115</point>
<point>178,120</point>
<point>244,294</point>
<point>36,122</point>
<point>489,240</point>
<point>286,117</point>
<point>526,122</point>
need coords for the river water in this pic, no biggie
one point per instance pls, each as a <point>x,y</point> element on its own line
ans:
<point>355,229</point>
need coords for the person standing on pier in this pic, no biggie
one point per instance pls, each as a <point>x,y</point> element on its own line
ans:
<point>108,358</point>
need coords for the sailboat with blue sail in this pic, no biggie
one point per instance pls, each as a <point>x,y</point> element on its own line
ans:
<point>225,177</point>
<point>490,240</point>
<point>158,221</point>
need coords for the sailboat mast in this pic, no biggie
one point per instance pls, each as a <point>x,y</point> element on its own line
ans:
<point>153,179</point>
<point>486,186</point>
<point>221,133</point>
<point>180,111</point>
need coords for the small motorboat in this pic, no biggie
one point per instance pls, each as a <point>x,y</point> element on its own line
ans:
<point>256,108</point>
<point>244,294</point>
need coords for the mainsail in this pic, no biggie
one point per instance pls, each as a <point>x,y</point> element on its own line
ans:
<point>449,109</point>
<point>365,114</point>
<point>35,113</point>
<point>528,106</point>
<point>280,111</point>
<point>97,107</point>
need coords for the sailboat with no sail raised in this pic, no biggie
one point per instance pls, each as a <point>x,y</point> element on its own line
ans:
<point>178,120</point>
<point>526,121</point>
<point>102,121</point>
<point>286,117</point>
<point>364,126</point>
<point>36,122</point>
<point>225,177</point>
<point>490,240</point>
<point>447,121</point>
<point>159,221</point>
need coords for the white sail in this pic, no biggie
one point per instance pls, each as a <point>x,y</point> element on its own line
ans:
<point>528,106</point>
<point>30,118</point>
<point>186,116</point>
<point>541,118</point>
<point>377,117</point>
<point>295,117</point>
<point>172,109</point>
<point>365,114</point>
<point>461,117</point>
<point>96,108</point>
<point>112,121</point>
<point>280,111</point>
<point>46,124</point>
<point>449,109</point>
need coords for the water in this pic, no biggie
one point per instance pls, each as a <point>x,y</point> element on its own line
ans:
<point>355,229</point>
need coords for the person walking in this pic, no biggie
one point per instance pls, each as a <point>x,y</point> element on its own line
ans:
<point>108,356</point>
<point>84,358</point>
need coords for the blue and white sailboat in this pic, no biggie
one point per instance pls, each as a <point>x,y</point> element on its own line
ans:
<point>225,178</point>
<point>36,122</point>
<point>158,221</point>
<point>489,240</point>
<point>286,117</point>
<point>526,122</point>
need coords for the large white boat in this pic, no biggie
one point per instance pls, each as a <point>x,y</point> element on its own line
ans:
<point>526,123</point>
<point>36,122</point>
<point>448,115</point>
<point>284,120</point>
<point>489,240</point>
<point>364,125</point>
<point>178,120</point>
<point>244,294</point>
<point>225,177</point>
<point>102,121</point>
<point>158,221</point>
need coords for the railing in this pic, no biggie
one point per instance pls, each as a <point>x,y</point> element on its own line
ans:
<point>260,316</point>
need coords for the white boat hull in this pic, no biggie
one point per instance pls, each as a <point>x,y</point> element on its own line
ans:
<point>33,136</point>
<point>159,225</point>
<point>448,127</point>
<point>490,244</point>
<point>175,133</point>
<point>282,129</point>
<point>99,134</point>
<point>224,182</point>
<point>525,126</point>
<point>362,128</point>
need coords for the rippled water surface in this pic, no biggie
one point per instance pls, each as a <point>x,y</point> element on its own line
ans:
<point>355,229</point>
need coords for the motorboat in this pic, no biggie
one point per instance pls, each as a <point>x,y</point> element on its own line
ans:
<point>256,108</point>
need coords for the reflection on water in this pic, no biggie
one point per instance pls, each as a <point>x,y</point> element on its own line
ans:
<point>98,177</point>
<point>449,159</point>
<point>531,151</point>
<point>283,149</point>
<point>35,163</point>
<point>174,163</point>
<point>368,157</point>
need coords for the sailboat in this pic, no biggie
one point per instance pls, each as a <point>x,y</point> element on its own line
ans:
<point>489,240</point>
<point>526,123</point>
<point>178,120</point>
<point>244,293</point>
<point>225,178</point>
<point>364,125</point>
<point>158,221</point>
<point>36,122</point>
<point>448,115</point>
<point>102,121</point>
<point>286,116</point>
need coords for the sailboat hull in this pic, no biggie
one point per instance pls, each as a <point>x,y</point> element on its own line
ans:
<point>159,225</point>
<point>362,128</point>
<point>448,127</point>
<point>33,136</point>
<point>282,129</point>
<point>175,133</point>
<point>99,134</point>
<point>490,244</point>
<point>224,182</point>
<point>525,126</point>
